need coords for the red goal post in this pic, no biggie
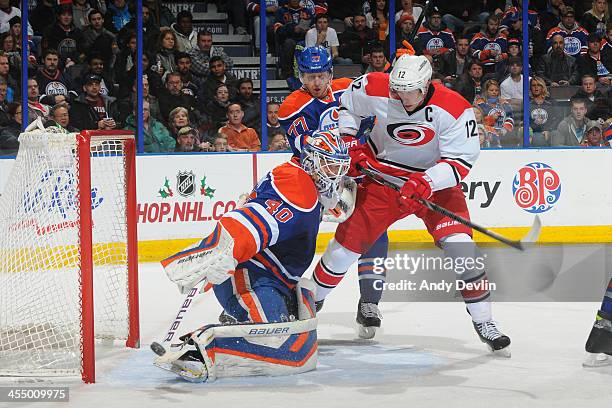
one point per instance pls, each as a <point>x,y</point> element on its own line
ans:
<point>68,258</point>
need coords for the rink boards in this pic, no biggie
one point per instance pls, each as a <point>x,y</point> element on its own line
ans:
<point>181,197</point>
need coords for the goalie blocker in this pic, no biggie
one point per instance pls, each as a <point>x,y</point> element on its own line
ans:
<point>238,350</point>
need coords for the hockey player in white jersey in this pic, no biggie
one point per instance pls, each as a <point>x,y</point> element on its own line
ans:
<point>425,139</point>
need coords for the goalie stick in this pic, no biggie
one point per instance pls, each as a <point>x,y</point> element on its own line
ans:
<point>532,235</point>
<point>159,348</point>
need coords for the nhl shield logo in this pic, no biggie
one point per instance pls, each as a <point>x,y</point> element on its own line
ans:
<point>185,183</point>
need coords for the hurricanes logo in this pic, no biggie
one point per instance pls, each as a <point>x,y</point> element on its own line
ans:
<point>329,119</point>
<point>411,133</point>
<point>536,187</point>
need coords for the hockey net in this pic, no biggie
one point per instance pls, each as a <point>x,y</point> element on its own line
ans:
<point>67,252</point>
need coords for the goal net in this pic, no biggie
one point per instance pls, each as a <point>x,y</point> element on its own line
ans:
<point>68,261</point>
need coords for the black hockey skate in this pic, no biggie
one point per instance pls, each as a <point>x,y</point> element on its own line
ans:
<point>319,305</point>
<point>489,334</point>
<point>599,343</point>
<point>368,319</point>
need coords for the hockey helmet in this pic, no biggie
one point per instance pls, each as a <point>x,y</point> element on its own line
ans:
<point>325,157</point>
<point>409,73</point>
<point>314,59</point>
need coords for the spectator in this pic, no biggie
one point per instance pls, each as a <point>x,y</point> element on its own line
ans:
<point>239,137</point>
<point>95,29</point>
<point>596,103</point>
<point>594,136</point>
<point>92,110</point>
<point>377,18</point>
<point>150,30</point>
<point>183,68</point>
<point>155,81</point>
<point>125,68</point>
<point>187,140</point>
<point>278,142</point>
<point>95,66</point>
<point>292,23</point>
<point>556,67</point>
<point>514,51</point>
<point>434,38</point>
<point>60,117</point>
<point>596,62</point>
<point>324,35</point>
<point>39,17</point>
<point>253,8</point>
<point>220,144</point>
<point>574,36</point>
<point>80,13</point>
<point>498,112</point>
<point>14,88</point>
<point>455,63</point>
<point>64,36</point>
<point>5,118</point>
<point>35,108</point>
<point>606,43</point>
<point>236,11</point>
<point>218,75</point>
<point>542,113</point>
<point>205,50</point>
<point>125,104</point>
<point>490,46</point>
<point>51,81</point>
<point>408,8</point>
<point>165,52</point>
<point>595,20</point>
<point>550,14</point>
<point>512,87</point>
<point>156,136</point>
<point>174,95</point>
<point>9,134</point>
<point>273,125</point>
<point>177,119</point>
<point>250,104</point>
<point>355,41</point>
<point>186,37</point>
<point>403,28</point>
<point>469,84</point>
<point>216,108</point>
<point>7,12</point>
<point>456,13</point>
<point>117,15</point>
<point>377,61</point>
<point>572,129</point>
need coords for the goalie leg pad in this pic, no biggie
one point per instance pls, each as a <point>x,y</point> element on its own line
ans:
<point>216,351</point>
<point>211,259</point>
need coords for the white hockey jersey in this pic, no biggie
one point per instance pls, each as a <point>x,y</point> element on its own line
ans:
<point>440,138</point>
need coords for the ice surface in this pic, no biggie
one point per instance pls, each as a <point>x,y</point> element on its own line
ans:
<point>426,355</point>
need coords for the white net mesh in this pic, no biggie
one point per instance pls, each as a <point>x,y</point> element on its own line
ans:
<point>40,298</point>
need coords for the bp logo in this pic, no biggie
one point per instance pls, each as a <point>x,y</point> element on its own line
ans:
<point>411,133</point>
<point>329,119</point>
<point>536,187</point>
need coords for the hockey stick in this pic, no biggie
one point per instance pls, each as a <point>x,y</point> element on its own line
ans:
<point>415,30</point>
<point>159,348</point>
<point>531,236</point>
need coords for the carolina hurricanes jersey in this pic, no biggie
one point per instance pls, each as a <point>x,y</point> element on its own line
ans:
<point>275,232</point>
<point>301,113</point>
<point>440,138</point>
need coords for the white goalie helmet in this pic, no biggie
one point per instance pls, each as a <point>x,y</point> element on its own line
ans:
<point>409,73</point>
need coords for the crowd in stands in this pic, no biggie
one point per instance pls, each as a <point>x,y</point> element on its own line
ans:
<point>82,66</point>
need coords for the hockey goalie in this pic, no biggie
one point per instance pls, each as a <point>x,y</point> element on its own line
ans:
<point>254,260</point>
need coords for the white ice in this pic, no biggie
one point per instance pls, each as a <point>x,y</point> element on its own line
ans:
<point>426,355</point>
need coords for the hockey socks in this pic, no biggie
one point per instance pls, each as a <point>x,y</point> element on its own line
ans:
<point>606,305</point>
<point>331,268</point>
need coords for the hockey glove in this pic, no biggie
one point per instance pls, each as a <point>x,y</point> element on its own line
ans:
<point>358,157</point>
<point>417,186</point>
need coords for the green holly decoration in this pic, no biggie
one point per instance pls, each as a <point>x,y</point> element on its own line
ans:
<point>205,190</point>
<point>166,191</point>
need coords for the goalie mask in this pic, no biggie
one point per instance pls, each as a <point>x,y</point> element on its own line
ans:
<point>325,157</point>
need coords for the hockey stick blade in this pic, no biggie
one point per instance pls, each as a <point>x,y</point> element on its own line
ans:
<point>534,232</point>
